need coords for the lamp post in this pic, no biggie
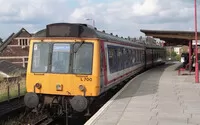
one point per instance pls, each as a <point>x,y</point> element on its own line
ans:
<point>93,22</point>
<point>196,47</point>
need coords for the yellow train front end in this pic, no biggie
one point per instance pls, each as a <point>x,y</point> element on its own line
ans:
<point>63,67</point>
<point>63,73</point>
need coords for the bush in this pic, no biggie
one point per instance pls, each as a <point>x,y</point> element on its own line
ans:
<point>173,54</point>
<point>178,58</point>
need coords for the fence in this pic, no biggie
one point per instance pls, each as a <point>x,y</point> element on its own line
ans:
<point>12,87</point>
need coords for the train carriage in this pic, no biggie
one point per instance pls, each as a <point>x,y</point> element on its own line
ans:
<point>73,64</point>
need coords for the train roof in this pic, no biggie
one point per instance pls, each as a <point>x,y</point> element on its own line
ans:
<point>86,31</point>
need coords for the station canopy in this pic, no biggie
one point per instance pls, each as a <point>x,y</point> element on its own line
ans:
<point>172,38</point>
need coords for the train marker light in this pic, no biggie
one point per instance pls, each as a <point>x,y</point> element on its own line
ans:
<point>59,87</point>
<point>82,87</point>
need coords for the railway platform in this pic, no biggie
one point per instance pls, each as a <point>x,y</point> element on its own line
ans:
<point>158,96</point>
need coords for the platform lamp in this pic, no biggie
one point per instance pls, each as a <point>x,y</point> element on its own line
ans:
<point>93,22</point>
<point>196,47</point>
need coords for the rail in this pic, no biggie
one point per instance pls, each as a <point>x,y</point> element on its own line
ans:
<point>14,104</point>
<point>44,120</point>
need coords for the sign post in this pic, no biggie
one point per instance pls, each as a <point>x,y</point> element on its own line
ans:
<point>196,47</point>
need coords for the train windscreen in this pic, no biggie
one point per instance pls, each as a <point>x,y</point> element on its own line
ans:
<point>60,58</point>
<point>40,57</point>
<point>55,58</point>
<point>82,62</point>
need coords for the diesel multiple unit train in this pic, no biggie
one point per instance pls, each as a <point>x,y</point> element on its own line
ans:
<point>71,65</point>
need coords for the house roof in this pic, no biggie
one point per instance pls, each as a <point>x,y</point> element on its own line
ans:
<point>172,37</point>
<point>6,42</point>
<point>20,33</point>
<point>10,69</point>
<point>23,33</point>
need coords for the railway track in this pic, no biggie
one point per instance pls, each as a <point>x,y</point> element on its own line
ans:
<point>42,119</point>
<point>45,120</point>
<point>11,105</point>
<point>14,104</point>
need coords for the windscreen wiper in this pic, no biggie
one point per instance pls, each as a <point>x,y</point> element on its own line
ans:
<point>79,46</point>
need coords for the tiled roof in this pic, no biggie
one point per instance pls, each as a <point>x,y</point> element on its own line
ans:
<point>11,69</point>
<point>15,51</point>
<point>12,36</point>
<point>6,42</point>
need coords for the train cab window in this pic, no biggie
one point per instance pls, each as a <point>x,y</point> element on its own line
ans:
<point>40,57</point>
<point>82,61</point>
<point>60,58</point>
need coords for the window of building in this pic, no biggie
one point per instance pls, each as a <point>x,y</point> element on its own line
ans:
<point>25,59</point>
<point>23,42</point>
<point>25,65</point>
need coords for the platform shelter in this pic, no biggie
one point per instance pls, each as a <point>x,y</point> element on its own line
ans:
<point>174,38</point>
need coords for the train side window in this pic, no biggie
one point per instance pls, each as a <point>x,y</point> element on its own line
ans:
<point>140,56</point>
<point>101,62</point>
<point>119,58</point>
<point>136,56</point>
<point>130,57</point>
<point>125,58</point>
<point>143,58</point>
<point>133,57</point>
<point>115,62</point>
<point>110,58</point>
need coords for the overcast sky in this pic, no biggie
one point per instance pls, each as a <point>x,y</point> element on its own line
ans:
<point>122,17</point>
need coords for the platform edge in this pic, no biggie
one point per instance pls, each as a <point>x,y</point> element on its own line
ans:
<point>97,114</point>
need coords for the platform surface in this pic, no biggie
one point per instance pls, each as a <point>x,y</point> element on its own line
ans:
<point>157,97</point>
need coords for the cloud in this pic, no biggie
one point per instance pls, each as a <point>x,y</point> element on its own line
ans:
<point>30,11</point>
<point>124,18</point>
<point>30,14</point>
<point>127,17</point>
<point>147,8</point>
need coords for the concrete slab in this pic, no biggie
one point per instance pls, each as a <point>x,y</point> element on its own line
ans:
<point>156,97</point>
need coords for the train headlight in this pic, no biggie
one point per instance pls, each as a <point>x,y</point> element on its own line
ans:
<point>59,87</point>
<point>81,87</point>
<point>38,85</point>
